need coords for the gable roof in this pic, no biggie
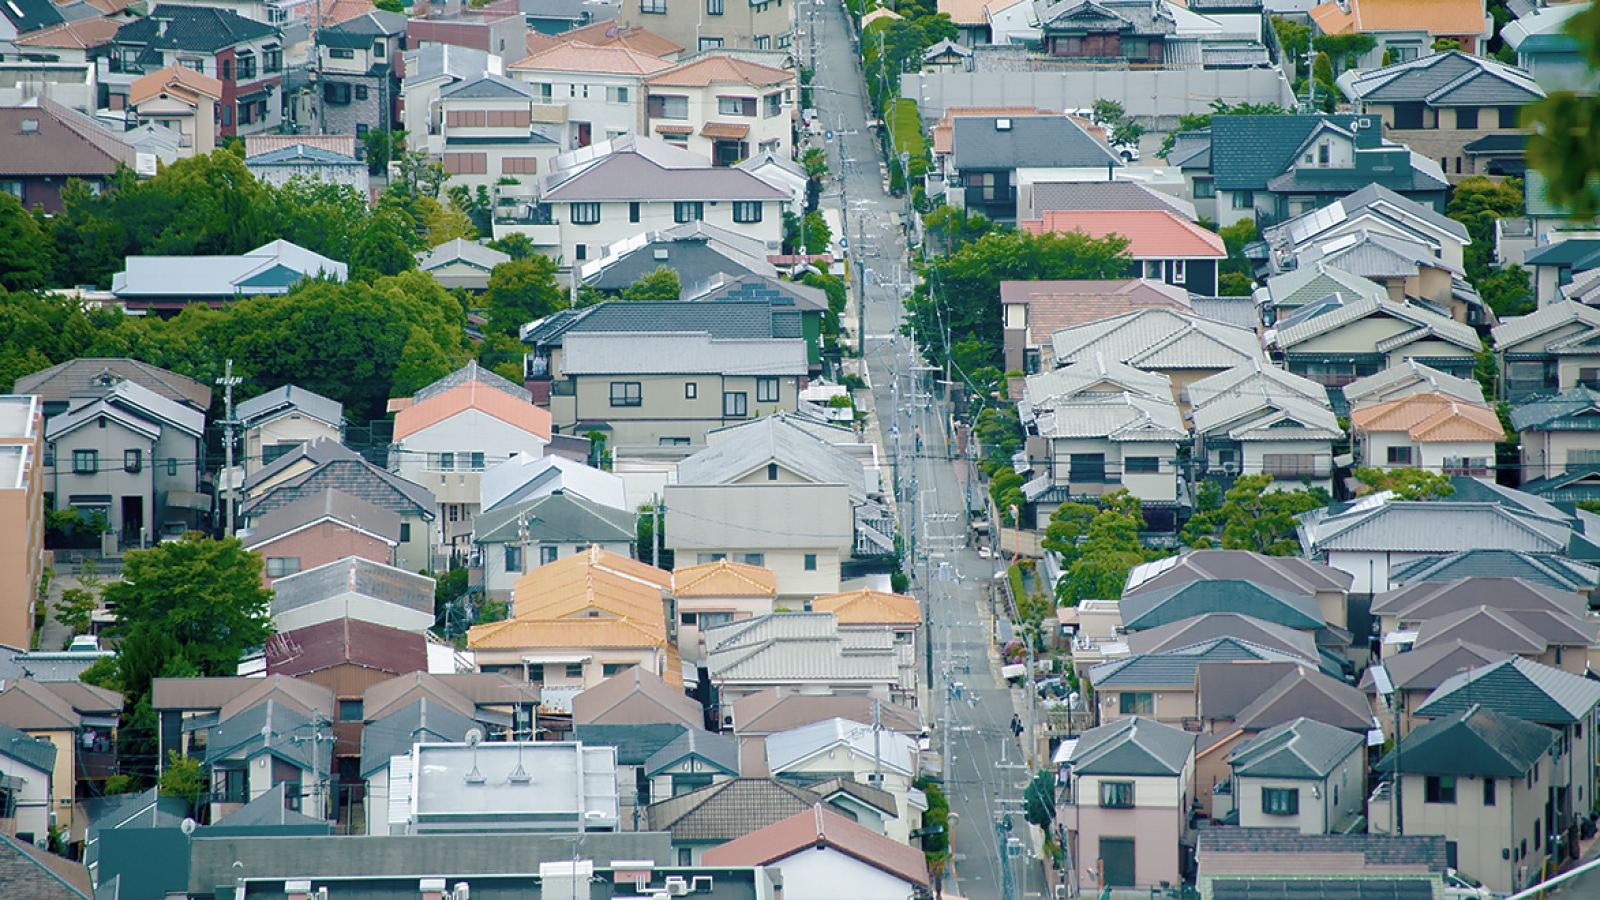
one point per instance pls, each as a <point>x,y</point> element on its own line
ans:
<point>1576,409</point>
<point>869,607</point>
<point>77,377</point>
<point>1212,626</point>
<point>1162,605</point>
<point>1249,151</point>
<point>472,373</point>
<point>639,168</point>
<point>62,142</point>
<point>175,79</point>
<point>288,399</point>
<point>1372,200</point>
<point>346,641</point>
<point>27,705</point>
<point>1410,377</point>
<point>1047,390</point>
<point>1151,234</point>
<point>1041,142</point>
<point>1425,668</point>
<point>1267,414</point>
<point>709,70</point>
<point>1107,196</point>
<point>782,709</point>
<point>697,250</point>
<point>461,250</point>
<point>1307,284</point>
<point>605,33</point>
<point>774,440</point>
<point>1516,687</point>
<point>1515,631</point>
<point>353,575</point>
<point>1424,600</point>
<point>270,809</point>
<point>193,28</point>
<point>635,696</point>
<point>1298,748</point>
<point>1476,741</point>
<point>352,475</point>
<point>893,751</point>
<point>474,396</point>
<point>1176,668</point>
<point>718,751</point>
<point>1437,17</point>
<point>577,56</point>
<point>1430,418</point>
<point>330,506</point>
<point>1544,320</point>
<point>555,517</point>
<point>424,721</point>
<point>1286,573</point>
<point>1255,377</point>
<point>1306,692</point>
<point>1158,339</point>
<point>1544,569</point>
<point>1446,78</point>
<point>1315,321</point>
<point>1375,254</point>
<point>1132,746</point>
<point>724,578</point>
<point>271,269</point>
<point>728,810</point>
<point>796,648</point>
<point>38,874</point>
<point>140,409</point>
<point>820,827</point>
<point>1116,417</point>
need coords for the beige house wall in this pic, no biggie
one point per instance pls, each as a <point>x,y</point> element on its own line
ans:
<point>293,428</point>
<point>666,412</point>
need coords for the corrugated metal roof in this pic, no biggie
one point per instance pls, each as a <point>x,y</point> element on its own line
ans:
<point>353,575</point>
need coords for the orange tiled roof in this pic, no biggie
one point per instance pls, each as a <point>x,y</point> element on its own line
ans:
<point>109,7</point>
<point>1050,313</point>
<point>602,34</point>
<point>1151,233</point>
<point>472,395</point>
<point>538,42</point>
<point>724,578</point>
<point>674,129</point>
<point>869,607</point>
<point>589,590</point>
<point>1429,418</point>
<point>973,12</point>
<point>175,79</point>
<point>336,12</point>
<point>80,35</point>
<point>724,130</point>
<point>574,56</point>
<point>563,633</point>
<point>721,69</point>
<point>1437,17</point>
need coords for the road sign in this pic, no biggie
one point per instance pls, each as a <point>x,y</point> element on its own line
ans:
<point>844,243</point>
<point>827,135</point>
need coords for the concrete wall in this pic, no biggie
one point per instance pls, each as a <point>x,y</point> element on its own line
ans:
<point>284,430</point>
<point>1544,453</point>
<point>1145,93</point>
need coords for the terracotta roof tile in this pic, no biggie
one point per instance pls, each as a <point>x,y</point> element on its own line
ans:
<point>724,578</point>
<point>721,69</point>
<point>674,129</point>
<point>175,79</point>
<point>817,827</point>
<point>1151,234</point>
<point>724,130</point>
<point>538,42</point>
<point>472,395</point>
<point>1050,313</point>
<point>83,34</point>
<point>869,607</point>
<point>1437,17</point>
<point>575,56</point>
<point>65,143</point>
<point>602,34</point>
<point>1430,418</point>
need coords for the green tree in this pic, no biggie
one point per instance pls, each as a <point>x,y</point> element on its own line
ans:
<point>383,247</point>
<point>515,245</point>
<point>1219,107</point>
<point>27,252</point>
<point>660,286</point>
<point>75,608</point>
<point>1098,545</point>
<point>183,777</point>
<point>1236,271</point>
<point>1344,48</point>
<point>952,227</point>
<point>521,291</point>
<point>1251,516</point>
<point>1039,800</point>
<point>1478,203</point>
<point>646,534</point>
<point>1107,112</point>
<point>1407,483</point>
<point>1295,38</point>
<point>818,236</point>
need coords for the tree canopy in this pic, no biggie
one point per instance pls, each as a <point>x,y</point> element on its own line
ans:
<point>659,286</point>
<point>521,291</point>
<point>1478,203</point>
<point>1562,146</point>
<point>1252,515</point>
<point>1098,546</point>
<point>1406,484</point>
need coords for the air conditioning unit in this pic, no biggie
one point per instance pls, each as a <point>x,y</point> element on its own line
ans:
<point>677,886</point>
<point>1061,892</point>
<point>702,884</point>
<point>1230,468</point>
<point>463,891</point>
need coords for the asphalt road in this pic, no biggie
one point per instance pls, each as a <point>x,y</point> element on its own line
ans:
<point>984,776</point>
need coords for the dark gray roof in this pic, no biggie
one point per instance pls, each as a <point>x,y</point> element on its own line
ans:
<point>1577,409</point>
<point>193,28</point>
<point>1413,180</point>
<point>723,287</point>
<point>1176,668</point>
<point>1578,254</point>
<point>377,23</point>
<point>356,477</point>
<point>1308,693</point>
<point>90,375</point>
<point>1188,632</point>
<point>635,743</point>
<point>1535,568</point>
<point>316,452</point>
<point>353,575</point>
<point>425,721</point>
<point>1474,741</point>
<point>719,750</point>
<point>144,810</point>
<point>1128,16</point>
<point>1045,142</point>
<point>301,155</point>
<point>1299,748</point>
<point>1160,606</point>
<point>26,749</point>
<point>329,504</point>
<point>1377,849</point>
<point>1429,599</point>
<point>1517,687</point>
<point>268,809</point>
<point>1132,746</point>
<point>1248,151</point>
<point>488,85</point>
<point>638,168</point>
<point>1448,78</point>
<point>1425,668</point>
<point>731,320</point>
<point>773,439</point>
<point>266,726</point>
<point>1225,687</point>
<point>732,809</point>
<point>1367,887</point>
<point>31,15</point>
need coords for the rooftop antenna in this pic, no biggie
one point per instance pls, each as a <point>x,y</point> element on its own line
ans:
<point>474,738</point>
<point>520,775</point>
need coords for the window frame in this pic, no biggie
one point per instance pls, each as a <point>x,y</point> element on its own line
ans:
<point>768,389</point>
<point>742,211</point>
<point>735,405</point>
<point>1395,457</point>
<point>631,395</point>
<point>133,461</point>
<point>1117,795</point>
<point>686,211</point>
<point>1441,790</point>
<point>1143,703</point>
<point>513,558</point>
<point>1280,801</point>
<point>587,213</point>
<point>85,462</point>
<point>282,566</point>
<point>691,390</point>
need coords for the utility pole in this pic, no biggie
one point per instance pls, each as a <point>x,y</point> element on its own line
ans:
<point>655,532</point>
<point>228,425</point>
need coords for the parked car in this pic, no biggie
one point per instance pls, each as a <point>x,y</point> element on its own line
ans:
<point>1461,886</point>
<point>84,642</point>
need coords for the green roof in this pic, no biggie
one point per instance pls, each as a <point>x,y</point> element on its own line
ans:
<point>1517,687</point>
<point>1248,151</point>
<point>1475,741</point>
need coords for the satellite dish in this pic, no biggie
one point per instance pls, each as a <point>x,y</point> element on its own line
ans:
<point>188,826</point>
<point>474,737</point>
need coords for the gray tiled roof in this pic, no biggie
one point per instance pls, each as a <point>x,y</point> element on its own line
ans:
<point>634,743</point>
<point>1410,377</point>
<point>773,439</point>
<point>726,320</point>
<point>461,250</point>
<point>352,476</point>
<point>330,504</point>
<point>1373,199</point>
<point>1356,309</point>
<point>1255,377</point>
<point>424,721</point>
<point>1309,693</point>
<point>1531,631</point>
<point>1571,410</point>
<point>1105,195</point>
<point>792,648</point>
<point>1138,16</point>
<point>489,85</point>
<point>720,751</point>
<point>1448,78</point>
<point>1474,741</point>
<point>1239,312</point>
<point>695,250</point>
<point>1301,748</point>
<point>1535,568</point>
<point>23,748</point>
<point>1158,338</point>
<point>1311,283</point>
<point>1545,321</point>
<point>302,155</point>
<point>1046,390</point>
<point>557,517</point>
<point>76,377</point>
<point>732,809</point>
<point>469,373</point>
<point>1163,605</point>
<point>725,288</point>
<point>1267,413</point>
<point>1418,177</point>
<point>1425,668</point>
<point>1517,687</point>
<point>1132,746</point>
<point>1116,417</point>
<point>1042,142</point>
<point>1286,573</point>
<point>353,575</point>
<point>644,169</point>
<point>1427,599</point>
<point>265,726</point>
<point>1224,688</point>
<point>681,353</point>
<point>1176,668</point>
<point>1422,851</point>
<point>192,28</point>
<point>286,399</point>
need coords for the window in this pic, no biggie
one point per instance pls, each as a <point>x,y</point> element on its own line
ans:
<point>475,462</point>
<point>585,213</point>
<point>1440,789</point>
<point>1116,794</point>
<point>665,107</point>
<point>1146,465</point>
<point>1178,271</point>
<point>703,558</point>
<point>547,555</point>
<point>616,95</point>
<point>85,462</point>
<point>691,390</point>
<point>247,66</point>
<point>733,404</point>
<point>342,53</point>
<point>690,618</point>
<point>581,251</point>
<point>1488,792</point>
<point>1244,200</point>
<point>350,710</point>
<point>766,390</point>
<point>811,562</point>
<point>1537,826</point>
<point>225,71</point>
<point>361,92</point>
<point>754,559</point>
<point>710,43</point>
<point>543,92</point>
<point>334,93</point>
<point>279,566</point>
<point>14,188</point>
<point>272,59</point>
<point>1467,117</point>
<point>513,558</point>
<point>1399,456</point>
<point>736,106</point>
<point>653,7</point>
<point>633,211</point>
<point>1152,269</point>
<point>405,532</point>
<point>231,785</point>
<point>1204,188</point>
<point>610,669</point>
<point>535,672</point>
<point>772,471</point>
<point>1138,703</point>
<point>772,105</point>
<point>1087,468</point>
<point>574,670</point>
<point>1324,152</point>
<point>1509,116</point>
<point>362,128</point>
<point>132,461</point>
<point>1280,801</point>
<point>626,393</point>
<point>1288,465</point>
<point>688,211</point>
<point>747,212</point>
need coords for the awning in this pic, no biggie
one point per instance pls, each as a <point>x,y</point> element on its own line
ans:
<point>189,500</point>
<point>557,659</point>
<point>674,129</point>
<point>724,130</point>
<point>89,500</point>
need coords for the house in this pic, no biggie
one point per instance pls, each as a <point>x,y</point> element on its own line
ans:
<point>244,55</point>
<point>1548,350</point>
<point>497,31</point>
<point>867,609</point>
<point>1235,861</point>
<point>355,588</point>
<point>782,171</point>
<point>716,593</point>
<point>1273,168</point>
<point>1401,30</point>
<point>1399,683</point>
<point>423,721</point>
<point>1253,379</point>
<point>1182,347</point>
<point>1547,52</point>
<point>1464,777</point>
<point>1407,269</point>
<point>139,466</point>
<point>1162,246</point>
<point>312,163</point>
<point>58,385</point>
<point>1301,774</point>
<point>430,68</point>
<point>186,707</point>
<point>1374,209</point>
<point>807,652</point>
<point>693,760</point>
<point>1154,606</point>
<point>488,135</point>
<point>465,787</point>
<point>1540,569</point>
<point>453,430</point>
<point>524,477</point>
<point>723,108</point>
<point>1406,378</point>
<point>359,73</point>
<point>284,418</point>
<point>79,721</point>
<point>1428,431</point>
<point>1035,310</point>
<point>1277,433</point>
<point>635,696</point>
<point>520,535</point>
<point>22,510</point>
<point>810,302</point>
<point>1161,685</point>
<point>182,100</point>
<point>1091,380</point>
<point>1438,103</point>
<point>726,811</point>
<point>461,264</point>
<point>147,283</point>
<point>347,656</point>
<point>44,144</point>
<point>1094,445</point>
<point>697,251</point>
<point>502,707</point>
<point>28,765</point>
<point>987,153</point>
<point>1125,809</point>
<point>319,529</point>
<point>1329,587</point>
<point>1284,294</point>
<point>782,709</point>
<point>1339,339</point>
<point>1556,266</point>
<point>1559,455</point>
<point>608,33</point>
<point>713,28</point>
<point>842,749</point>
<point>819,850</point>
<point>1115,32</point>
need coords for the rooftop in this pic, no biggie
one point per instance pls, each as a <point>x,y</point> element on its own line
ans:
<point>1301,748</point>
<point>819,827</point>
<point>1133,746</point>
<point>1474,741</point>
<point>1151,234</point>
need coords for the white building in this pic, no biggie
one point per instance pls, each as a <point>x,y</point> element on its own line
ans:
<point>589,93</point>
<point>723,108</point>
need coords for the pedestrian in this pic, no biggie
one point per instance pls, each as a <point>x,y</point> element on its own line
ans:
<point>919,439</point>
<point>1016,728</point>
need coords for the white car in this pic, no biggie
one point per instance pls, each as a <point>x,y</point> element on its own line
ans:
<point>84,642</point>
<point>1460,886</point>
<point>1128,152</point>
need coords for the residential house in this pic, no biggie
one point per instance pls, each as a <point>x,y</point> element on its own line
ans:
<point>1153,606</point>
<point>1428,431</point>
<point>504,709</point>
<point>430,69</point>
<point>782,171</point>
<point>1091,380</point>
<point>1280,860</point>
<point>187,707</point>
<point>253,749</point>
<point>1253,379</point>
<point>1035,310</point>
<point>1340,339</point>
<point>1481,779</point>
<point>139,466</point>
<point>1094,445</point>
<point>782,709</point>
<point>1329,587</point>
<point>757,27</point>
<point>498,31</point>
<point>723,108</point>
<point>1301,774</point>
<point>989,152</point>
<point>810,302</point>
<point>867,609</point>
<point>1397,684</point>
<point>1273,168</point>
<point>279,167</point>
<point>44,144</point>
<point>547,20</point>
<point>1549,350</point>
<point>183,101</point>
<point>519,535</point>
<point>636,696</point>
<point>80,723</point>
<point>807,652</point>
<point>28,765</point>
<point>1551,638</point>
<point>842,749</point>
<point>1108,33</point>
<point>244,55</point>
<point>1374,209</point>
<point>1182,347</point>
<point>76,41</point>
<point>147,283</point>
<point>524,477</point>
<point>726,811</point>
<point>453,430</point>
<point>1160,685</point>
<point>346,656</point>
<point>693,760</point>
<point>58,385</point>
<point>1406,378</point>
<point>1284,294</point>
<point>1125,809</point>
<point>1162,246</point>
<point>488,132</point>
<point>1559,445</point>
<point>359,72</point>
<point>1273,432</point>
<point>461,264</point>
<point>819,850</point>
<point>1439,103</point>
<point>323,465</point>
<point>1557,265</point>
<point>1547,52</point>
<point>284,418</point>
<point>1401,30</point>
<point>423,721</point>
<point>1526,611</point>
<point>36,872</point>
<point>354,588</point>
<point>1540,569</point>
<point>22,510</point>
<point>715,593</point>
<point>1408,270</point>
<point>319,529</point>
<point>607,33</point>
<point>697,251</point>
<point>1545,220</point>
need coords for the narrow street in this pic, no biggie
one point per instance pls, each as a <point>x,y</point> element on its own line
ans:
<point>984,776</point>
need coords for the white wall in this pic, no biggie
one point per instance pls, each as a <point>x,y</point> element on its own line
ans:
<point>812,874</point>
